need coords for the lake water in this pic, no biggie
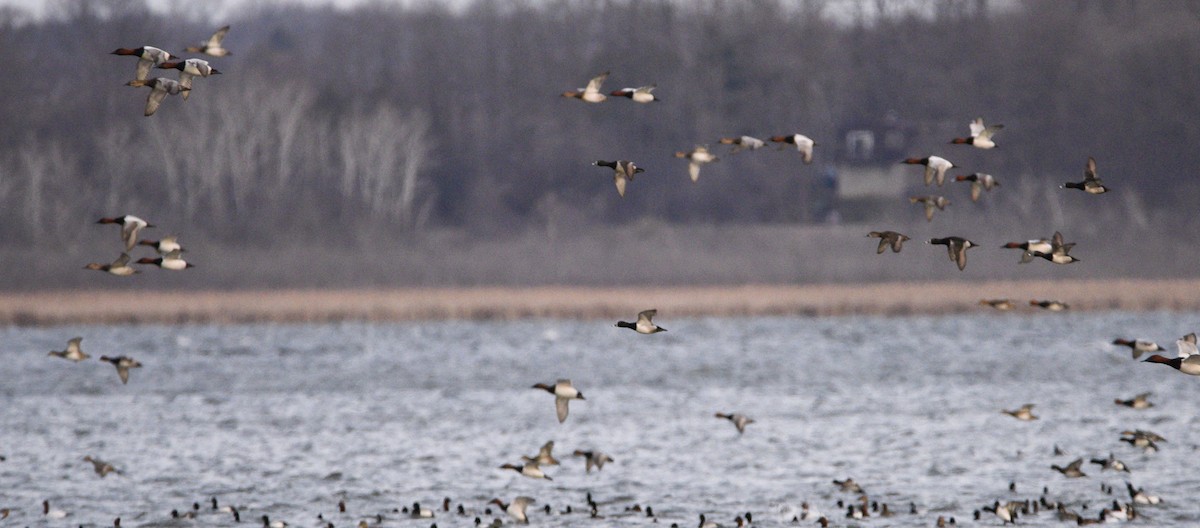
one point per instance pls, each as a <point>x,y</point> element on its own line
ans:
<point>286,420</point>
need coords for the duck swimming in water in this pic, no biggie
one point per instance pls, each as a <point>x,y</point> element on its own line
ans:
<point>563,393</point>
<point>644,324</point>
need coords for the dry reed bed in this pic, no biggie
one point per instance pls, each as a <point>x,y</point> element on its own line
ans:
<point>222,307</point>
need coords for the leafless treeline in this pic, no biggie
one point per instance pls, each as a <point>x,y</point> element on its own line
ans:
<point>382,119</point>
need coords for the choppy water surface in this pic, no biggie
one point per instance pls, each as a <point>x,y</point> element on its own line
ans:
<point>287,420</point>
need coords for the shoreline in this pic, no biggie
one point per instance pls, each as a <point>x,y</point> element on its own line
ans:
<point>509,303</point>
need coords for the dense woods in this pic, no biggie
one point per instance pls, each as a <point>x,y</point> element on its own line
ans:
<point>342,128</point>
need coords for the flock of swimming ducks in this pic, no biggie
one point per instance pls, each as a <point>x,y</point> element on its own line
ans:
<point>1054,250</point>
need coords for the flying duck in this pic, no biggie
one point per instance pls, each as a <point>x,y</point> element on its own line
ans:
<point>563,393</point>
<point>1072,470</point>
<point>160,87</point>
<point>623,171</point>
<point>741,143</point>
<point>696,157</point>
<point>1000,304</point>
<point>1090,184</point>
<point>73,351</point>
<point>644,324</point>
<point>981,136</point>
<point>101,467</point>
<point>1053,306</point>
<point>130,225</point>
<point>148,57</point>
<point>641,94</point>
<point>803,143</point>
<point>956,247</point>
<point>516,509</point>
<point>171,261</point>
<point>594,458</point>
<point>979,182</point>
<point>544,456</point>
<point>935,168</point>
<point>1186,345</point>
<point>848,485</point>
<point>1188,365</point>
<point>888,238</point>
<point>1138,346</point>
<point>591,94</point>
<point>1058,253</point>
<point>212,46</point>
<point>1111,463</point>
<point>188,70</point>
<point>1029,247</point>
<point>164,245</point>
<point>123,364</point>
<point>119,267</point>
<point>1140,401</point>
<point>930,201</point>
<point>1025,413</point>
<point>528,469</point>
<point>739,420</point>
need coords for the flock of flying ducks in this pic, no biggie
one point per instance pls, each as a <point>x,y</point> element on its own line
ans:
<point>1054,250</point>
<point>160,87</point>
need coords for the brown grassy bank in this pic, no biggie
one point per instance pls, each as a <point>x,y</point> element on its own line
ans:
<point>70,307</point>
